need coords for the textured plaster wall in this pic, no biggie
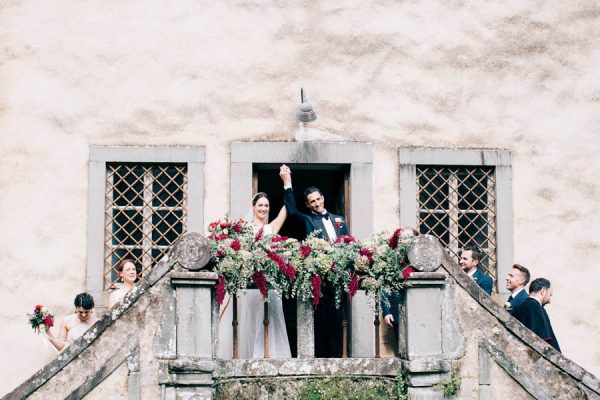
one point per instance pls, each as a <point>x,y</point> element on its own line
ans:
<point>515,75</point>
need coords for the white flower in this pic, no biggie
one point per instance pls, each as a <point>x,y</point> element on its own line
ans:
<point>378,266</point>
<point>361,263</point>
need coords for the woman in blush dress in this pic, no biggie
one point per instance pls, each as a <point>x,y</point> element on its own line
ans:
<point>251,343</point>
<point>128,274</point>
<point>74,326</point>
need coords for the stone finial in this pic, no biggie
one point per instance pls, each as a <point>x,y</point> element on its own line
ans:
<point>192,251</point>
<point>425,253</point>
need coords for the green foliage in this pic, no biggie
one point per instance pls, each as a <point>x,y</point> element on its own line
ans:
<point>452,387</point>
<point>346,389</point>
<point>401,386</point>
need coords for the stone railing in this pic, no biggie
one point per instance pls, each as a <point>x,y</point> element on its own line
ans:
<point>449,330</point>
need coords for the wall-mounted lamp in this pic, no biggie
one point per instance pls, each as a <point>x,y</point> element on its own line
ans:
<point>305,112</point>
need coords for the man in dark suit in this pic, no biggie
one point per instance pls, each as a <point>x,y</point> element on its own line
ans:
<point>390,305</point>
<point>532,313</point>
<point>328,319</point>
<point>470,257</point>
<point>517,279</point>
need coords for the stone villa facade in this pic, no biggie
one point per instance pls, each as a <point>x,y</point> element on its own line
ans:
<point>472,122</point>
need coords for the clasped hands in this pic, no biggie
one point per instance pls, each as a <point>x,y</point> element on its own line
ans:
<point>285,173</point>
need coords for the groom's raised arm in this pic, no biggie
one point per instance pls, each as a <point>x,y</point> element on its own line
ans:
<point>288,194</point>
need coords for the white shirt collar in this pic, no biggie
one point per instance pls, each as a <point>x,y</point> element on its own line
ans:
<point>514,294</point>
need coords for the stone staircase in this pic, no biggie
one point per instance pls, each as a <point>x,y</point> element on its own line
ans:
<point>161,343</point>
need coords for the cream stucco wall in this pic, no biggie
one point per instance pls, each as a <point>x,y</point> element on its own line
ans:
<point>514,75</point>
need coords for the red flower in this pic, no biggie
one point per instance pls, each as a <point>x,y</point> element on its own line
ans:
<point>238,228</point>
<point>407,271</point>
<point>217,238</point>
<point>261,282</point>
<point>279,239</point>
<point>213,225</point>
<point>393,241</point>
<point>48,321</point>
<point>225,224</point>
<point>259,235</point>
<point>316,290</point>
<point>220,290</point>
<point>274,246</point>
<point>304,250</point>
<point>353,286</point>
<point>345,239</point>
<point>236,245</point>
<point>220,253</point>
<point>278,260</point>
<point>367,252</point>
<point>38,307</point>
<point>290,272</point>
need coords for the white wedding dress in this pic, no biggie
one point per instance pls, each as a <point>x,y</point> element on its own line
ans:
<point>251,328</point>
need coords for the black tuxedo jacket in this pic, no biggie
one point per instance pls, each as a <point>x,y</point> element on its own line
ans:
<point>313,222</point>
<point>532,315</point>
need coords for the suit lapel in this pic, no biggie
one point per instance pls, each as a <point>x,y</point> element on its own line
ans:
<point>318,221</point>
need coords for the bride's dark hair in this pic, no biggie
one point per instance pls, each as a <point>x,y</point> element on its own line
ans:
<point>259,196</point>
<point>84,300</point>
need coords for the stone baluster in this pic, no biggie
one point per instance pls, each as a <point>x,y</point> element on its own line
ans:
<point>306,329</point>
<point>420,341</point>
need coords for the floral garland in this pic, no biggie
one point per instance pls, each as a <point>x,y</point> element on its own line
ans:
<point>300,269</point>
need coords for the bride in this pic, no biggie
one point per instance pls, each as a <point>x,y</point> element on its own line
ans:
<point>251,337</point>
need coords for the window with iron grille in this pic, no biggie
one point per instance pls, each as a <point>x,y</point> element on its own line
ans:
<point>458,206</point>
<point>145,213</point>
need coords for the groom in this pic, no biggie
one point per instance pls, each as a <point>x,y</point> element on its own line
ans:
<point>328,319</point>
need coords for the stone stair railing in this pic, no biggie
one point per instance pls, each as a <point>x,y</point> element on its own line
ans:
<point>166,331</point>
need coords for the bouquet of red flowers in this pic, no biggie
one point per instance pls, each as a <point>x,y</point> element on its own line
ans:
<point>40,316</point>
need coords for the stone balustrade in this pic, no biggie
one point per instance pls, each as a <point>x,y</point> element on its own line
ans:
<point>447,326</point>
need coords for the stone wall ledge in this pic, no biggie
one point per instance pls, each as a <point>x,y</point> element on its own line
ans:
<point>191,278</point>
<point>427,365</point>
<point>426,279</point>
<point>389,367</point>
<point>530,339</point>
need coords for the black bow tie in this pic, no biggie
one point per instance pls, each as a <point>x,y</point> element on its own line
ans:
<point>324,216</point>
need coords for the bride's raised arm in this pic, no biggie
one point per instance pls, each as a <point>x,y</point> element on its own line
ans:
<point>277,223</point>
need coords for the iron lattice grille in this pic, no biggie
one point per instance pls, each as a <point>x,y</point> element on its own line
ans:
<point>146,212</point>
<point>458,206</point>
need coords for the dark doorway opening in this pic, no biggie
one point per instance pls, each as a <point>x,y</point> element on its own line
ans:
<point>331,179</point>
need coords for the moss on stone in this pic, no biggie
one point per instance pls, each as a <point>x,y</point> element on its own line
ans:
<point>351,388</point>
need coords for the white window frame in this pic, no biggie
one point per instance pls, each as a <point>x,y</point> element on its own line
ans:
<point>410,158</point>
<point>99,157</point>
